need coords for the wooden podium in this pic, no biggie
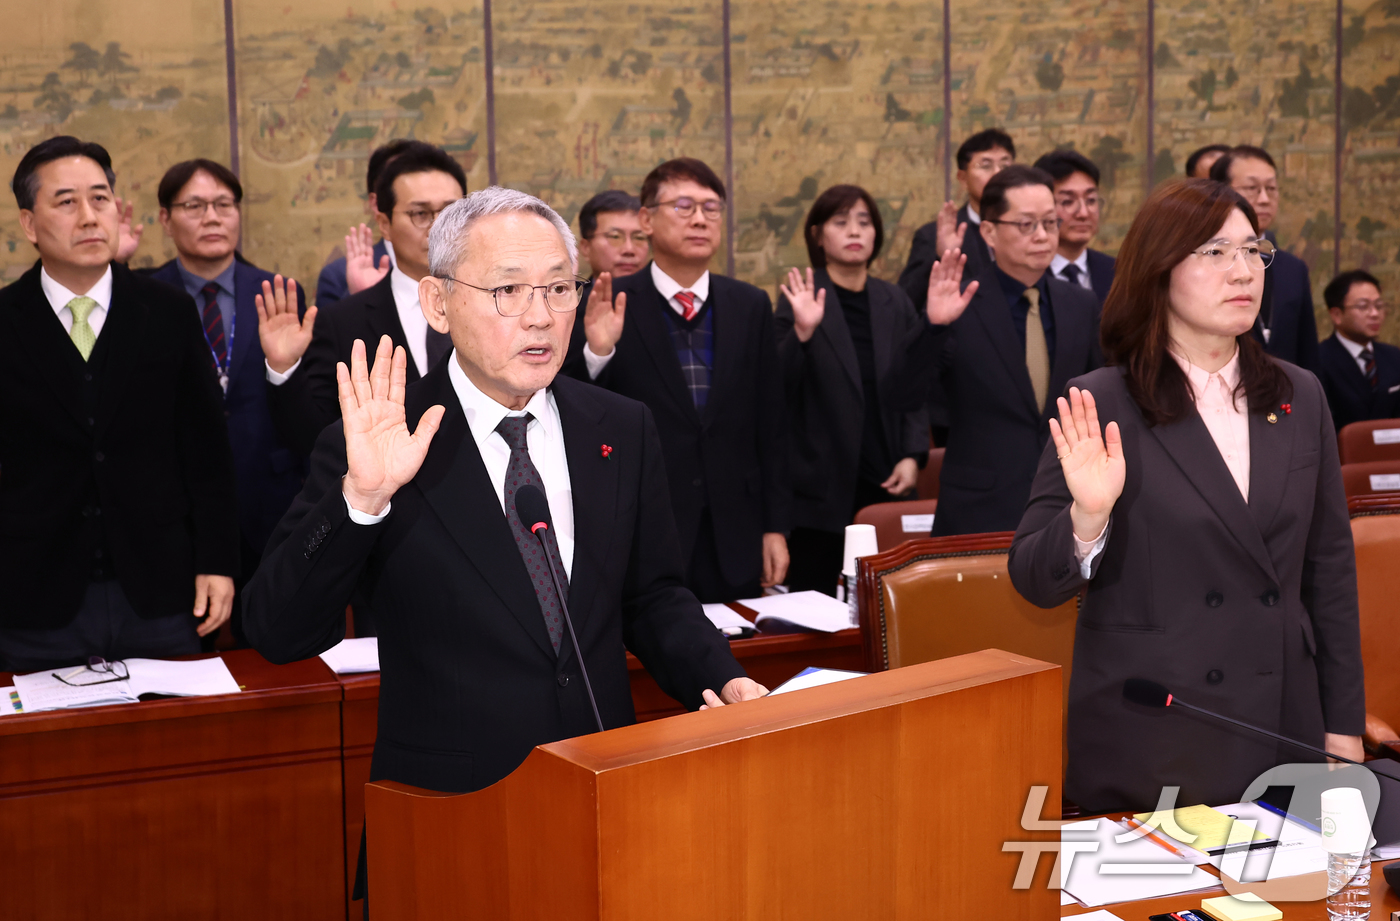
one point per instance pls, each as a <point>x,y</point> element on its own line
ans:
<point>888,796</point>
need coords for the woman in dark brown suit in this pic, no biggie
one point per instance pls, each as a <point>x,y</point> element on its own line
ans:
<point>1193,488</point>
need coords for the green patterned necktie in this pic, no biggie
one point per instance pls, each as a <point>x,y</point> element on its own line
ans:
<point>82,335</point>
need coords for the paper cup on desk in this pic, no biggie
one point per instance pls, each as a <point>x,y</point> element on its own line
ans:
<point>860,541</point>
<point>1346,827</point>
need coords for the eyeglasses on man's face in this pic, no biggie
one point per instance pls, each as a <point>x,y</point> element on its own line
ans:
<point>617,237</point>
<point>1072,203</point>
<point>1366,306</point>
<point>422,218</point>
<point>197,207</point>
<point>1027,227</point>
<point>1219,255</point>
<point>560,296</point>
<point>685,207</point>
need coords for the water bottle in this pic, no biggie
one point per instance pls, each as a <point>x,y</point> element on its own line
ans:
<point>1350,876</point>
<point>1346,836</point>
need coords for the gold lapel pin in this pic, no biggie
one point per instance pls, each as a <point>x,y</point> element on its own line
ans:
<point>1272,417</point>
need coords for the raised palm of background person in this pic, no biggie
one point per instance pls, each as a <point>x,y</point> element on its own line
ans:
<point>602,317</point>
<point>380,452</point>
<point>808,303</point>
<point>283,335</point>
<point>360,270</point>
<point>945,301</point>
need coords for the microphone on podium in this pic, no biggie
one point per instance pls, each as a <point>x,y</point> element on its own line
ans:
<point>532,509</point>
<point>1151,694</point>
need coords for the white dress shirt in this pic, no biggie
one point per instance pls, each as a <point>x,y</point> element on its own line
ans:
<point>59,297</point>
<point>972,215</point>
<point>1058,263</point>
<point>415,325</point>
<point>1226,416</point>
<point>545,439</point>
<point>1354,349</point>
<point>669,288</point>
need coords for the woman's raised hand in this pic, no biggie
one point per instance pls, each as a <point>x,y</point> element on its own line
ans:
<point>1092,462</point>
<point>808,303</point>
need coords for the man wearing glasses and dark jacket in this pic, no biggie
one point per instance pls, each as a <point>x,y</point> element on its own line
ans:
<point>700,351</point>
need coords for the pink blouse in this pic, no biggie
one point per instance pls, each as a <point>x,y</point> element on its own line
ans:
<point>1227,419</point>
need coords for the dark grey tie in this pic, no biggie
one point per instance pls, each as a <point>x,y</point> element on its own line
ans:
<point>1070,273</point>
<point>439,344</point>
<point>521,472</point>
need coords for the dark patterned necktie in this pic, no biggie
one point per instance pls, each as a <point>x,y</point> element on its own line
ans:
<point>1070,273</point>
<point>1368,356</point>
<point>522,472</point>
<point>214,325</point>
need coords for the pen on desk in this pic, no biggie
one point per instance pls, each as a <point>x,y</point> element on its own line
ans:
<point>1156,838</point>
<point>1277,811</point>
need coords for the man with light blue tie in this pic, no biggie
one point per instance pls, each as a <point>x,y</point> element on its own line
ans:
<point>118,533</point>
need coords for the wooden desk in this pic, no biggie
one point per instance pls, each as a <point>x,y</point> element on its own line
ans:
<point>359,723</point>
<point>203,807</point>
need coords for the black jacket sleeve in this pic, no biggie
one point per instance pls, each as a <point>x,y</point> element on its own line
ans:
<point>308,401</point>
<point>773,429</point>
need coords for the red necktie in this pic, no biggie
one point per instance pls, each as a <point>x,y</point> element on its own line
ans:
<point>687,300</point>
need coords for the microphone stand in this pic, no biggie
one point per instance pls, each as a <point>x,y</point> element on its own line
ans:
<point>569,622</point>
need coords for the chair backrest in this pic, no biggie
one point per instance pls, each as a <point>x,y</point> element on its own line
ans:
<point>1371,477</point>
<point>1375,527</point>
<point>897,522</point>
<point>1372,440</point>
<point>928,477</point>
<point>945,596</point>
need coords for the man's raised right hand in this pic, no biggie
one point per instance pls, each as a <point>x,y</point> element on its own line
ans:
<point>381,453</point>
<point>602,319</point>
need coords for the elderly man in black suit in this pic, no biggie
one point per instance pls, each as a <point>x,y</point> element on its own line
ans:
<point>1360,374</point>
<point>413,499</point>
<point>699,349</point>
<point>1286,325</point>
<point>1003,349</point>
<point>117,517</point>
<point>1079,203</point>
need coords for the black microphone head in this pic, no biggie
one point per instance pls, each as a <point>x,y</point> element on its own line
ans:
<point>1146,693</point>
<point>532,508</point>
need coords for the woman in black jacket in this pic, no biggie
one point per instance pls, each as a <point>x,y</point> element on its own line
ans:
<point>859,427</point>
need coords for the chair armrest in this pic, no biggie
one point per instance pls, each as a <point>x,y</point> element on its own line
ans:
<point>1381,740</point>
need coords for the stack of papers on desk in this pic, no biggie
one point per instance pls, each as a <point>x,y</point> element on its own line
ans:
<point>1101,871</point>
<point>727,620</point>
<point>798,611</point>
<point>814,678</point>
<point>196,678</point>
<point>349,657</point>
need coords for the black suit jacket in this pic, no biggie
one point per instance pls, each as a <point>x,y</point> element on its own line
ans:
<point>826,400</point>
<point>126,453</point>
<point>1287,308</point>
<point>996,431</point>
<point>733,456</point>
<point>470,683</point>
<point>1101,271</point>
<point>1349,394</point>
<point>307,402</point>
<point>1248,609</point>
<point>268,472</point>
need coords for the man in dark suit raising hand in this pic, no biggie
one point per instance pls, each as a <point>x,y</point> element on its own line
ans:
<point>412,499</point>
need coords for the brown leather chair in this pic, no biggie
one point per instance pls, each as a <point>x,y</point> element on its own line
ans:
<point>888,519</point>
<point>1371,478</point>
<point>945,596</point>
<point>1357,442</point>
<point>1375,528</point>
<point>928,477</point>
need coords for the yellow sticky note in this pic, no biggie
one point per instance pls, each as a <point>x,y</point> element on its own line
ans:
<point>1210,826</point>
<point>1229,908</point>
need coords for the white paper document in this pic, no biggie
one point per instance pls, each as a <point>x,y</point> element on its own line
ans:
<point>814,678</point>
<point>1298,850</point>
<point>1097,869</point>
<point>9,701</point>
<point>349,657</point>
<point>1386,436</point>
<point>1385,482</point>
<point>916,524</point>
<point>57,689</point>
<point>799,610</point>
<point>726,619</point>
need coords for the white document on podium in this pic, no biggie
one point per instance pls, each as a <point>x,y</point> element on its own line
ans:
<point>350,657</point>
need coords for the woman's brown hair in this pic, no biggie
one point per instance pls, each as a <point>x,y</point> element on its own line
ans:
<point>1177,219</point>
